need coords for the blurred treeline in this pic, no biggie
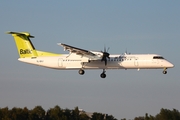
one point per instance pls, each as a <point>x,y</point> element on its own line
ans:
<point>56,113</point>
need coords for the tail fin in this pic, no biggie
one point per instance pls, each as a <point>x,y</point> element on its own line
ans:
<point>25,47</point>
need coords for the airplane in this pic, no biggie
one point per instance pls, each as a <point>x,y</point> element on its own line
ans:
<point>81,59</point>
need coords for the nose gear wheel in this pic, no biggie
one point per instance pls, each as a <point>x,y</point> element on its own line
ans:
<point>164,71</point>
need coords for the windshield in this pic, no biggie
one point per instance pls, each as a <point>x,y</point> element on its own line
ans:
<point>158,57</point>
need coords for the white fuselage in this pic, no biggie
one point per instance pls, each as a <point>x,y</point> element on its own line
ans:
<point>125,61</point>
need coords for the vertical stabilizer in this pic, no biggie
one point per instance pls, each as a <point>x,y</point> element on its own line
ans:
<point>24,45</point>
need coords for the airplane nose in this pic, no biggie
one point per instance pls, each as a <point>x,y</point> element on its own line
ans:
<point>170,65</point>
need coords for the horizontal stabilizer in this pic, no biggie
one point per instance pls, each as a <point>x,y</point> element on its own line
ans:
<point>21,33</point>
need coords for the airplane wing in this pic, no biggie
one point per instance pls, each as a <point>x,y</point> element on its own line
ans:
<point>80,51</point>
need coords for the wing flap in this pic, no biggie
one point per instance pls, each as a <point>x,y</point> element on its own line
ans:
<point>79,51</point>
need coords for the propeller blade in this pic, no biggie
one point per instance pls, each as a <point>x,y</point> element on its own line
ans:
<point>105,55</point>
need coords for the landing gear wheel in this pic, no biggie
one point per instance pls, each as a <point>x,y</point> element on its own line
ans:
<point>81,72</point>
<point>164,72</point>
<point>103,75</point>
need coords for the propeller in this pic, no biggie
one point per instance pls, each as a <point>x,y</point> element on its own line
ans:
<point>105,56</point>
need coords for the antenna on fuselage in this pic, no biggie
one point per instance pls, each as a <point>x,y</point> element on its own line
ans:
<point>126,53</point>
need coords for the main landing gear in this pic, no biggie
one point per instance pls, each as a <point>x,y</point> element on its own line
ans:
<point>102,75</point>
<point>165,71</point>
<point>81,72</point>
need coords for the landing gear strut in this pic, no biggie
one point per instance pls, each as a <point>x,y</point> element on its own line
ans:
<point>103,75</point>
<point>164,71</point>
<point>81,72</point>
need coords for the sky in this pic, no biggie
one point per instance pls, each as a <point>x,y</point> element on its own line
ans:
<point>136,26</point>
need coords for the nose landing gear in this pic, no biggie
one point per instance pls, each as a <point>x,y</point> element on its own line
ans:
<point>165,71</point>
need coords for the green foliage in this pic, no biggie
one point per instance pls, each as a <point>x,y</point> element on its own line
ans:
<point>100,116</point>
<point>109,117</point>
<point>75,113</point>
<point>164,114</point>
<point>123,119</point>
<point>56,113</point>
<point>5,114</point>
<point>19,114</point>
<point>38,113</point>
<point>67,113</point>
<point>83,116</point>
<point>14,114</point>
<point>139,118</point>
<point>97,116</point>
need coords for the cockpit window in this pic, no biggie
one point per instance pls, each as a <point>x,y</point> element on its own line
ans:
<point>158,57</point>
